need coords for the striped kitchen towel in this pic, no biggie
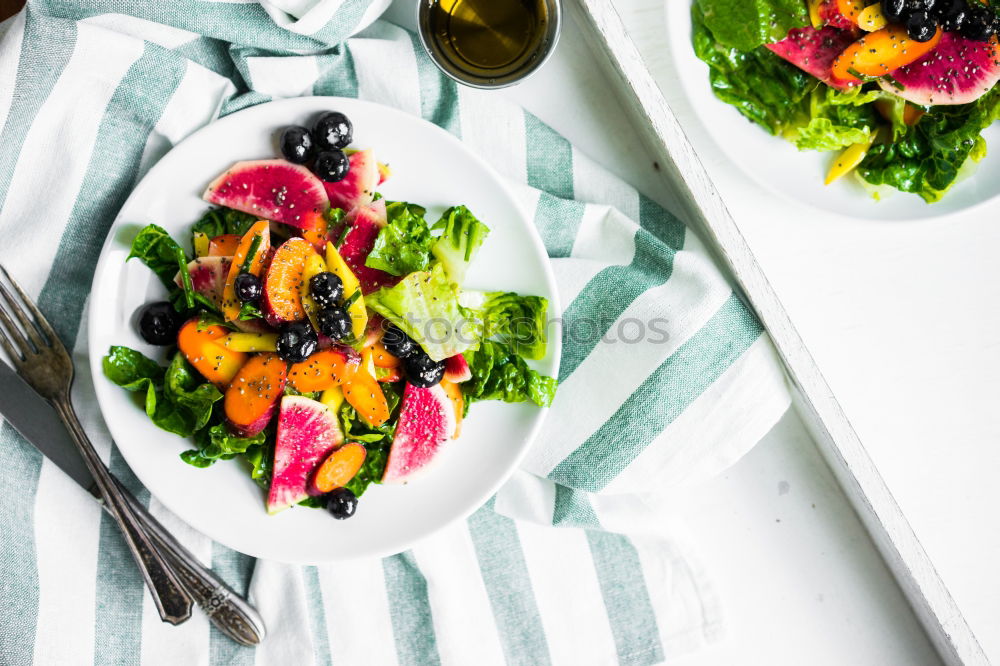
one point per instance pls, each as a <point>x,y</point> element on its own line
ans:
<point>571,562</point>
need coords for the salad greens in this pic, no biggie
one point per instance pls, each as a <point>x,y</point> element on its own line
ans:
<point>517,321</point>
<point>461,236</point>
<point>498,373</point>
<point>924,158</point>
<point>404,245</point>
<point>219,221</point>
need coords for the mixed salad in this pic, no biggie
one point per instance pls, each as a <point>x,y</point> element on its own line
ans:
<point>902,89</point>
<point>322,334</point>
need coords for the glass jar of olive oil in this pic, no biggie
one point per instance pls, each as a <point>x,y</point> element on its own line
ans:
<point>489,43</point>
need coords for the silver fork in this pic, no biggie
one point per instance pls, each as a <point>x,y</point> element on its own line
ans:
<point>42,361</point>
<point>47,367</point>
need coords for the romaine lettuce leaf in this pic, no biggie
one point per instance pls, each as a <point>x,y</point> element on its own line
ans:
<point>425,306</point>
<point>216,442</point>
<point>500,374</point>
<point>461,236</point>
<point>515,320</point>
<point>404,244</point>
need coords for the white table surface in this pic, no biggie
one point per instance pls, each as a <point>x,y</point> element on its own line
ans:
<point>799,578</point>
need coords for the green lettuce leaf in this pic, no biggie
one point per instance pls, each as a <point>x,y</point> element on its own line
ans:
<point>515,320</point>
<point>404,244</point>
<point>219,221</point>
<point>217,443</point>
<point>747,24</point>
<point>461,236</point>
<point>155,248</point>
<point>377,441</point>
<point>927,158</point>
<point>760,85</point>
<point>425,306</point>
<point>500,374</point>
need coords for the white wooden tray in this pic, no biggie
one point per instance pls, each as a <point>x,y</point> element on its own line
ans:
<point>861,481</point>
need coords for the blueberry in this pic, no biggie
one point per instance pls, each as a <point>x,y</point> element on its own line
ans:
<point>894,10</point>
<point>341,503</point>
<point>333,130</point>
<point>920,26</point>
<point>953,22</point>
<point>945,8</point>
<point>332,165</point>
<point>296,342</point>
<point>334,323</point>
<point>158,323</point>
<point>326,289</point>
<point>248,288</point>
<point>421,371</point>
<point>397,343</point>
<point>297,144</point>
<point>978,25</point>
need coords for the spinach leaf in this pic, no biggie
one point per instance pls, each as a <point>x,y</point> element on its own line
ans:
<point>216,442</point>
<point>175,399</point>
<point>404,244</point>
<point>377,441</point>
<point>746,24</point>
<point>500,374</point>
<point>219,221</point>
<point>763,87</point>
<point>155,248</point>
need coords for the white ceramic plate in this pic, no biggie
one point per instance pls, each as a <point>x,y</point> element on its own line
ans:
<point>780,167</point>
<point>430,167</point>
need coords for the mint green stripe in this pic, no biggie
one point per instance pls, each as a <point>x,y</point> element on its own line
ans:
<point>667,391</point>
<point>337,74</point>
<point>410,612</point>
<point>660,222</point>
<point>210,53</point>
<point>240,102</point>
<point>119,589</point>
<point>597,307</point>
<point>626,599</point>
<point>572,508</point>
<point>45,49</point>
<point>317,616</point>
<point>438,93</point>
<point>236,569</point>
<point>508,586</point>
<point>19,583</point>
<point>558,221</point>
<point>239,23</point>
<point>344,20</point>
<point>549,158</point>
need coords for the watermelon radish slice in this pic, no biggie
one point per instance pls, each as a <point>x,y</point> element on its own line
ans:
<point>456,369</point>
<point>426,421</point>
<point>358,186</point>
<point>957,71</point>
<point>307,433</point>
<point>365,223</point>
<point>276,190</point>
<point>842,14</point>
<point>813,51</point>
<point>208,277</point>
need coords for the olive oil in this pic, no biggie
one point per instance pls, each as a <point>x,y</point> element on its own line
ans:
<point>489,39</point>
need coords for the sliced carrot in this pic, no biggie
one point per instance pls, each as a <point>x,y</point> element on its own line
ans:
<point>283,284</point>
<point>382,358</point>
<point>225,245</point>
<point>879,53</point>
<point>202,348</point>
<point>849,9</point>
<point>317,234</point>
<point>321,371</point>
<point>454,393</point>
<point>365,395</point>
<point>255,265</point>
<point>340,467</point>
<point>254,392</point>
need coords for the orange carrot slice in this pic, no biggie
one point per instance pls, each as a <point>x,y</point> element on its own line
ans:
<point>365,395</point>
<point>321,371</point>
<point>203,350</point>
<point>254,393</point>
<point>255,265</point>
<point>340,467</point>
<point>454,393</point>
<point>879,53</point>
<point>382,358</point>
<point>225,245</point>
<point>849,9</point>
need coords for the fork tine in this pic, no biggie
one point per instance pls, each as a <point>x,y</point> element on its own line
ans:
<point>13,337</point>
<point>14,356</point>
<point>39,319</point>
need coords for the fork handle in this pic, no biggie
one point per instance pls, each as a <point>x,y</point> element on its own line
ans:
<point>172,602</point>
<point>227,610</point>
